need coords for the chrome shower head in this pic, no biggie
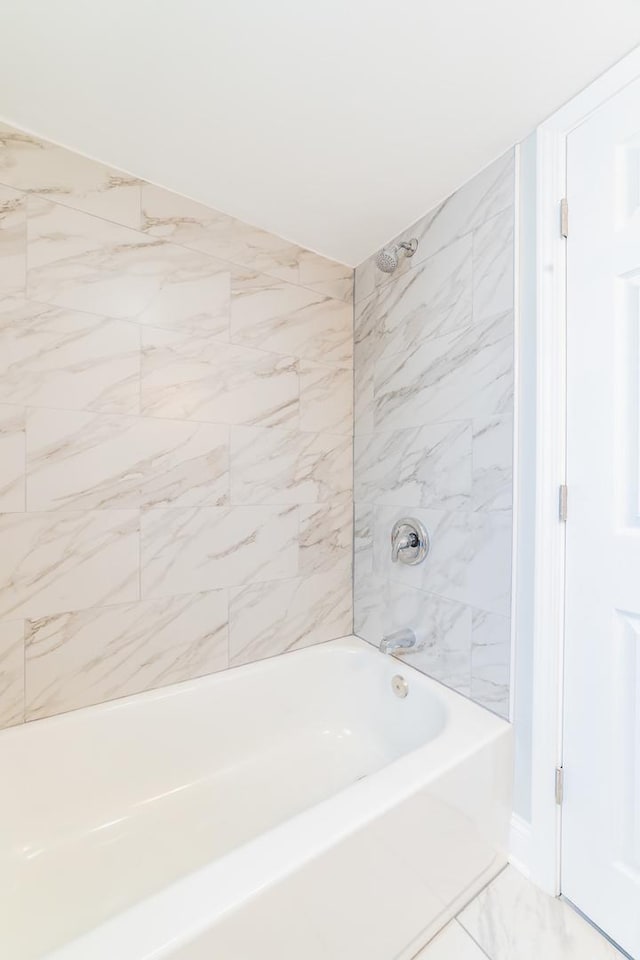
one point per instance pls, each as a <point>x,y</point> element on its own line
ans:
<point>388,258</point>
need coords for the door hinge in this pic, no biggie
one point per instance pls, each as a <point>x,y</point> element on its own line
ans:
<point>562,502</point>
<point>564,218</point>
<point>559,785</point>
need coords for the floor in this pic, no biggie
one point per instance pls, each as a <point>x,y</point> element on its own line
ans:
<point>513,920</point>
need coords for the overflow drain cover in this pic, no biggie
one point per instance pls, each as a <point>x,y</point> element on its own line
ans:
<point>399,686</point>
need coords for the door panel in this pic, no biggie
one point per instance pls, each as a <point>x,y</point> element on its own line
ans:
<point>601,811</point>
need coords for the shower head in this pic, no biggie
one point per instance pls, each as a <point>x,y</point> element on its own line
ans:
<point>388,258</point>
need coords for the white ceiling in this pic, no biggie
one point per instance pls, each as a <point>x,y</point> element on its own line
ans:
<point>334,123</point>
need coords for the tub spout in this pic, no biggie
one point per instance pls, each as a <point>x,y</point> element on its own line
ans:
<point>400,640</point>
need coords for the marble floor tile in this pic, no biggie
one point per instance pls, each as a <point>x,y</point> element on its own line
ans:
<point>281,317</point>
<point>271,465</point>
<point>13,242</point>
<point>266,619</point>
<point>57,562</point>
<point>190,550</point>
<point>52,357</point>
<point>326,398</point>
<point>77,659</point>
<point>196,377</point>
<point>86,461</point>
<point>12,458</point>
<point>36,166</point>
<point>511,919</point>
<point>452,943</point>
<point>11,673</point>
<point>423,466</point>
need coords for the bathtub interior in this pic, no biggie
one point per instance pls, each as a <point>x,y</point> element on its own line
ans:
<point>112,803</point>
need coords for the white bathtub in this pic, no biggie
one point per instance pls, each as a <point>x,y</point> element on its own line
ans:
<point>292,808</point>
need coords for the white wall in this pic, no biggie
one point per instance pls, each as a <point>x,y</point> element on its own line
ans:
<point>525,477</point>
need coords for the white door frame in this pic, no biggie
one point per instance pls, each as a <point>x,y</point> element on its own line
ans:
<point>551,386</point>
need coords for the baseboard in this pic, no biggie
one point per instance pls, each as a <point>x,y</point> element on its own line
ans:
<point>520,844</point>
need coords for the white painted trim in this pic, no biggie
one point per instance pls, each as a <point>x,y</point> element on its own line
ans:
<point>516,433</point>
<point>520,844</point>
<point>548,633</point>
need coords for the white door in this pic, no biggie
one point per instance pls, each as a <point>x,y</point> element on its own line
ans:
<point>601,752</point>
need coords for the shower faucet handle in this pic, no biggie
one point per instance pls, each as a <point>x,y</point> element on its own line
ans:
<point>409,541</point>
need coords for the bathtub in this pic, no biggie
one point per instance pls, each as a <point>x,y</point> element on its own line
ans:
<point>292,808</point>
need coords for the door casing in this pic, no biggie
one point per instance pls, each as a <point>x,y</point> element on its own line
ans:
<point>542,859</point>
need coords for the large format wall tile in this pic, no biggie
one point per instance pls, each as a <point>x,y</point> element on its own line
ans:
<point>56,562</point>
<point>191,377</point>
<point>271,465</point>
<point>491,660</point>
<point>326,534</point>
<point>61,358</point>
<point>424,466</point>
<point>188,550</point>
<point>454,377</point>
<point>76,659</point>
<point>443,631</point>
<point>81,262</point>
<point>266,619</point>
<point>11,672</point>
<point>493,256</point>
<point>482,198</point>
<point>171,216</point>
<point>326,398</point>
<point>492,463</point>
<point>13,242</point>
<point>433,423</point>
<point>284,318</point>
<point>35,166</point>
<point>139,332</point>
<point>84,461</point>
<point>430,301</point>
<point>12,458</point>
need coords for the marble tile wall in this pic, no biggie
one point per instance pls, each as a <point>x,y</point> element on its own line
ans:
<point>175,436</point>
<point>433,437</point>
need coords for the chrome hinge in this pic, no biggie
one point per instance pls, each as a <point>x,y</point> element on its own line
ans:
<point>559,785</point>
<point>562,502</point>
<point>564,218</point>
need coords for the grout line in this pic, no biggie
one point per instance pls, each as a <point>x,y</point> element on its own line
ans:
<point>151,240</point>
<point>471,937</point>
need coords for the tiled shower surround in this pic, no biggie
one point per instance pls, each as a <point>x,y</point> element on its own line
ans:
<point>433,438</point>
<point>175,437</point>
<point>176,424</point>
